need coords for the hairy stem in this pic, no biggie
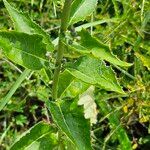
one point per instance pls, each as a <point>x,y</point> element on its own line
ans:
<point>60,50</point>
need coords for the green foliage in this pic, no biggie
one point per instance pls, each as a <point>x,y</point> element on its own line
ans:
<point>100,62</point>
<point>80,9</point>
<point>145,59</point>
<point>6,99</point>
<point>39,137</point>
<point>115,125</point>
<point>23,23</point>
<point>22,48</point>
<point>69,86</point>
<point>95,72</point>
<point>70,120</point>
<point>99,50</point>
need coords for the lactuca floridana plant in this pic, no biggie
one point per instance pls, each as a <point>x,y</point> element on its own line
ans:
<point>27,46</point>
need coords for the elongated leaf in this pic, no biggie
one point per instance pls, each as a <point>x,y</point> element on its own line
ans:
<point>95,23</point>
<point>23,49</point>
<point>71,121</point>
<point>145,59</point>
<point>94,71</point>
<point>87,25</point>
<point>6,99</point>
<point>95,48</point>
<point>39,137</point>
<point>115,124</point>
<point>69,86</point>
<point>81,9</point>
<point>23,23</point>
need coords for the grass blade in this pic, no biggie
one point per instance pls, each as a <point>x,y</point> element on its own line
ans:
<point>6,99</point>
<point>115,124</point>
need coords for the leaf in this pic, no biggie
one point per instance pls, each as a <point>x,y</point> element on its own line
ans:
<point>97,49</point>
<point>115,124</point>
<point>69,86</point>
<point>81,9</point>
<point>6,99</point>
<point>95,72</point>
<point>23,49</point>
<point>87,99</point>
<point>23,23</point>
<point>145,59</point>
<point>95,23</point>
<point>71,121</point>
<point>39,137</point>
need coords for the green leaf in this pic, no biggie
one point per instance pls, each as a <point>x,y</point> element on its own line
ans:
<point>6,99</point>
<point>69,86</point>
<point>145,59</point>
<point>69,118</point>
<point>115,124</point>
<point>39,137</point>
<point>94,71</point>
<point>97,49</point>
<point>81,9</point>
<point>23,23</point>
<point>25,50</point>
<point>95,23</point>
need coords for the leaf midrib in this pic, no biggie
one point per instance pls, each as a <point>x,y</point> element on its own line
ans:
<point>37,139</point>
<point>31,54</point>
<point>102,76</point>
<point>64,122</point>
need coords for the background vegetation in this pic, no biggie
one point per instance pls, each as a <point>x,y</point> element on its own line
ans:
<point>125,27</point>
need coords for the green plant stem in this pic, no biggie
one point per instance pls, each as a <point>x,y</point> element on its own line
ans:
<point>60,50</point>
<point>61,146</point>
<point>125,72</point>
<point>5,132</point>
<point>6,99</point>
